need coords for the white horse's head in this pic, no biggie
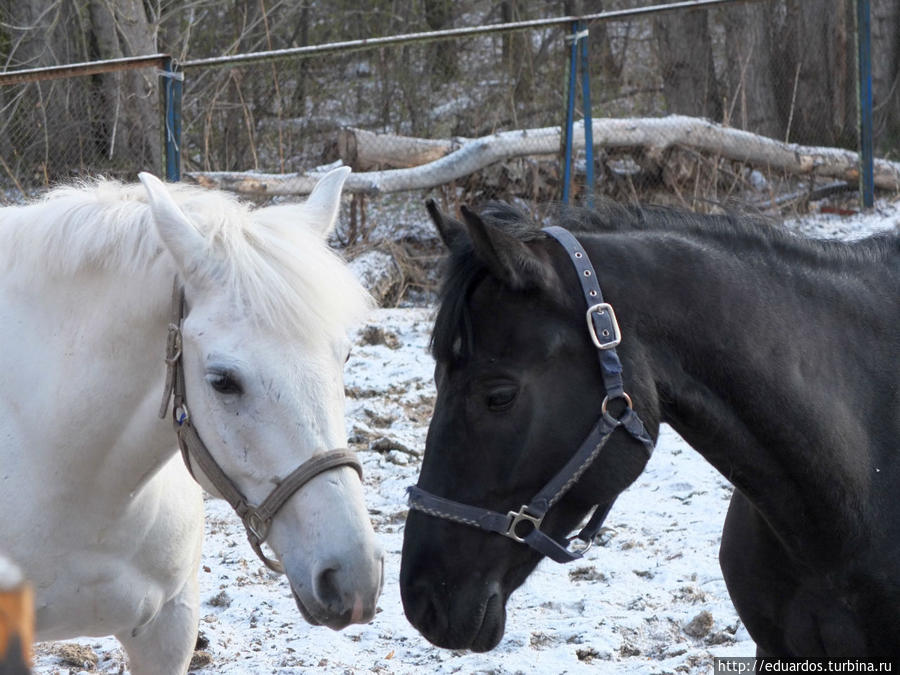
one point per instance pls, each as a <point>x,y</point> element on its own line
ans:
<point>264,345</point>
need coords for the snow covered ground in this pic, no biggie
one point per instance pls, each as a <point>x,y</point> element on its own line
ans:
<point>650,599</point>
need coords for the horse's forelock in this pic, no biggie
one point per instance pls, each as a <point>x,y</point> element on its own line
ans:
<point>451,338</point>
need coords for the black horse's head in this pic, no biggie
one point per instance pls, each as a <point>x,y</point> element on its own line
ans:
<point>519,388</point>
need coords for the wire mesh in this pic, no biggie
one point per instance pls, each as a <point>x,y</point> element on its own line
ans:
<point>781,68</point>
<point>53,130</point>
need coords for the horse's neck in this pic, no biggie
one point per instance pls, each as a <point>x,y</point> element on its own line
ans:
<point>83,371</point>
<point>757,369</point>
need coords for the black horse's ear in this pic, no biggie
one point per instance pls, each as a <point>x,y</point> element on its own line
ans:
<point>508,258</point>
<point>451,230</point>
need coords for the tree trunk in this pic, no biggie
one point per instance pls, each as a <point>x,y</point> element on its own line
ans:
<point>365,150</point>
<point>684,52</point>
<point>750,95</point>
<point>442,55</point>
<point>817,82</point>
<point>129,118</point>
<point>517,52</point>
<point>610,66</point>
<point>886,75</point>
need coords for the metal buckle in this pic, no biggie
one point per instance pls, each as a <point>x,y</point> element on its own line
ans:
<point>256,525</point>
<point>173,344</point>
<point>608,341</point>
<point>517,517</point>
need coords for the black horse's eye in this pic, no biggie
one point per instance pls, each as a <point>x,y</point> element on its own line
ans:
<point>502,397</point>
<point>224,383</point>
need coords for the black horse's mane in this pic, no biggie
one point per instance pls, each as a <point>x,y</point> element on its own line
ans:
<point>734,229</point>
<point>452,328</point>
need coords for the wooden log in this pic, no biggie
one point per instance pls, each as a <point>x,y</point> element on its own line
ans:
<point>16,620</point>
<point>654,134</point>
<point>379,274</point>
<point>365,150</point>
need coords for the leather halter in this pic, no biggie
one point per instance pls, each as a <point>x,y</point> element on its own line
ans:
<point>604,332</point>
<point>256,519</point>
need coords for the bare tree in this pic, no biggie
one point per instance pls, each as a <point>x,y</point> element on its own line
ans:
<point>438,16</point>
<point>817,85</point>
<point>36,36</point>
<point>749,94</point>
<point>99,123</point>
<point>684,54</point>
<point>129,117</point>
<point>517,50</point>
<point>886,75</point>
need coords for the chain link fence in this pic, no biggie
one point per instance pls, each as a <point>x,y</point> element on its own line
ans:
<point>57,129</point>
<point>784,69</point>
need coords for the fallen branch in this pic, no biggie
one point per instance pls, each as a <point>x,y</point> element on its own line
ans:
<point>365,150</point>
<point>654,134</point>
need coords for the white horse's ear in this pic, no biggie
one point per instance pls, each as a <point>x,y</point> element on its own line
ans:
<point>324,201</point>
<point>177,232</point>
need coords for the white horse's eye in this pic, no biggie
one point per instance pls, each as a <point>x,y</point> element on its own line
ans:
<point>225,383</point>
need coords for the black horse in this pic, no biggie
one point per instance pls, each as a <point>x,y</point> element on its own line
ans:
<point>776,357</point>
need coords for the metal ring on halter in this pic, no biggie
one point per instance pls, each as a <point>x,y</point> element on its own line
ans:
<point>577,545</point>
<point>520,516</point>
<point>606,402</point>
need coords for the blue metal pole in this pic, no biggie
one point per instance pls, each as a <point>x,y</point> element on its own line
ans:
<point>570,114</point>
<point>588,120</point>
<point>866,142</point>
<point>172,87</point>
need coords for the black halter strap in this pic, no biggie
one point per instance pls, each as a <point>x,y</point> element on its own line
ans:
<point>604,332</point>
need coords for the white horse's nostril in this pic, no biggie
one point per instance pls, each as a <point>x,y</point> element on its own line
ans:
<point>326,587</point>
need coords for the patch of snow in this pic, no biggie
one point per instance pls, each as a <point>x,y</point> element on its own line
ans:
<point>884,216</point>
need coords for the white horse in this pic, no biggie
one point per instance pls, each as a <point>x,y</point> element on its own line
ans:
<point>95,503</point>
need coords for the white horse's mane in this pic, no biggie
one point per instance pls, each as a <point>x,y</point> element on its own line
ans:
<point>283,273</point>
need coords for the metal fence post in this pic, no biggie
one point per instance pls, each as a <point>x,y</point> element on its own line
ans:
<point>570,114</point>
<point>579,34</point>
<point>172,85</point>
<point>864,83</point>
<point>588,119</point>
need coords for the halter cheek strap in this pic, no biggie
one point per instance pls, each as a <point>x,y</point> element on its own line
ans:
<point>524,525</point>
<point>257,519</point>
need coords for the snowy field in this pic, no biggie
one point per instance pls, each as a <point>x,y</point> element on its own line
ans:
<point>650,599</point>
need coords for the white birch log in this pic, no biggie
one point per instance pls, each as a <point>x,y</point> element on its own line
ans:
<point>364,150</point>
<point>653,134</point>
<point>378,273</point>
